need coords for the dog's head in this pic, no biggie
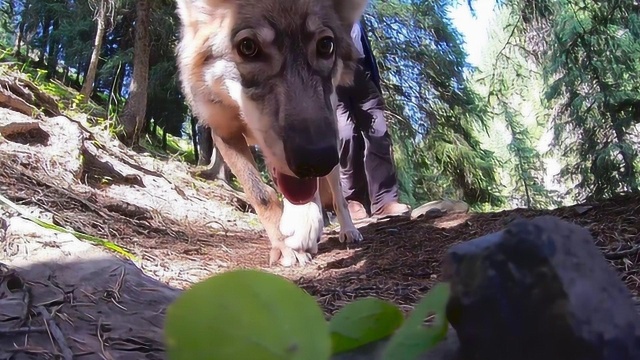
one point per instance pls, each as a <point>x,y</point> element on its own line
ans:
<point>280,61</point>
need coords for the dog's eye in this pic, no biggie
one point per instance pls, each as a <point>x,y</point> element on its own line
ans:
<point>325,47</point>
<point>248,48</point>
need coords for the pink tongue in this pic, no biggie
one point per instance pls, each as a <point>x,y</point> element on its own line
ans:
<point>297,191</point>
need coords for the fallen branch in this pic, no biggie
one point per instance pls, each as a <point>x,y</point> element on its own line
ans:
<point>93,162</point>
<point>28,93</point>
<point>22,331</point>
<point>619,255</point>
<point>81,236</point>
<point>15,103</point>
<point>136,216</point>
<point>55,333</point>
<point>123,158</point>
<point>17,127</point>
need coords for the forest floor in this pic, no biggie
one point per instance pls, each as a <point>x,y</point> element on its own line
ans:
<point>67,171</point>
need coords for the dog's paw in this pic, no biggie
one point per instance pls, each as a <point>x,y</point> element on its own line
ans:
<point>302,227</point>
<point>288,257</point>
<point>295,257</point>
<point>350,235</point>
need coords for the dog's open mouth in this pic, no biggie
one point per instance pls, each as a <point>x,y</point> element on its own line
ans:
<point>297,191</point>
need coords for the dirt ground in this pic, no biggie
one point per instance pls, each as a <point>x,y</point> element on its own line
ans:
<point>398,261</point>
<point>184,230</point>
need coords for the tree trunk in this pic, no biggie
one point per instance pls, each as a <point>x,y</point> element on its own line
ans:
<point>101,19</point>
<point>133,114</point>
<point>54,50</point>
<point>194,138</point>
<point>76,81</point>
<point>164,139</point>
<point>65,76</point>
<point>85,70</point>
<point>46,25</point>
<point>18,43</point>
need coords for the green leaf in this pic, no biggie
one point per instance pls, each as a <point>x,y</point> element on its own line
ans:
<point>413,338</point>
<point>362,322</point>
<point>246,314</point>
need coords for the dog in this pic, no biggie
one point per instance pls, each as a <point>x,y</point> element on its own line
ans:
<point>264,72</point>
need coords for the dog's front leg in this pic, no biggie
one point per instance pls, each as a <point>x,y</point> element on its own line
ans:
<point>261,196</point>
<point>302,226</point>
<point>348,231</point>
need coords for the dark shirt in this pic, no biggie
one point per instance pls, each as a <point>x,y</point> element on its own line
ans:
<point>369,62</point>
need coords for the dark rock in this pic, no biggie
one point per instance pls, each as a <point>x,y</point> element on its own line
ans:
<point>540,290</point>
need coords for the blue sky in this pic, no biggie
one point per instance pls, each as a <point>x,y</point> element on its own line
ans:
<point>474,29</point>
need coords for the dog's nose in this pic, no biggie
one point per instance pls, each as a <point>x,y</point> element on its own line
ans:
<point>313,161</point>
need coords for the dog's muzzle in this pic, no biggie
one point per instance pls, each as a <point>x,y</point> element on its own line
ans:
<point>312,161</point>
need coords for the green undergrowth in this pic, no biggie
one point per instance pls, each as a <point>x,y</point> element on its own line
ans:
<point>251,314</point>
<point>68,98</point>
<point>178,147</point>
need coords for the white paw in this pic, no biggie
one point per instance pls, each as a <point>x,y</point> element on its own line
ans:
<point>350,235</point>
<point>290,258</point>
<point>287,257</point>
<point>302,227</point>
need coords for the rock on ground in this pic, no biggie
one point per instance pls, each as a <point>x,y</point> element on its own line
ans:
<point>439,208</point>
<point>540,290</point>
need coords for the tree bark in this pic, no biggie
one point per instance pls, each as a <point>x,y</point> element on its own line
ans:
<point>18,44</point>
<point>194,138</point>
<point>164,139</point>
<point>85,70</point>
<point>53,51</point>
<point>154,130</point>
<point>65,76</point>
<point>101,20</point>
<point>46,25</point>
<point>133,114</point>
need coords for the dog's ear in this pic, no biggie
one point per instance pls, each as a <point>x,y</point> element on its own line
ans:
<point>195,13</point>
<point>350,11</point>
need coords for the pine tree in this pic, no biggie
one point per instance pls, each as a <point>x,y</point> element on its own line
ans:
<point>434,114</point>
<point>509,77</point>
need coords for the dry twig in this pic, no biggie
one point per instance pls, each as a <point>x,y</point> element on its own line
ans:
<point>56,335</point>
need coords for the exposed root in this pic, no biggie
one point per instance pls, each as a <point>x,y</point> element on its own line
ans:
<point>22,95</point>
<point>98,170</point>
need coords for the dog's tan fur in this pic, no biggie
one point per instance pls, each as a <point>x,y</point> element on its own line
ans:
<point>284,101</point>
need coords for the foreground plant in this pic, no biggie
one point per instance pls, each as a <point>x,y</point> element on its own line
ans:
<point>250,314</point>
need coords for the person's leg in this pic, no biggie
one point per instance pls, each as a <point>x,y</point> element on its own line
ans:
<point>210,156</point>
<point>378,153</point>
<point>205,144</point>
<point>352,172</point>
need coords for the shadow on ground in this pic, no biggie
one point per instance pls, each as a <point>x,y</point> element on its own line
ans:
<point>107,308</point>
<point>401,259</point>
<point>103,308</point>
